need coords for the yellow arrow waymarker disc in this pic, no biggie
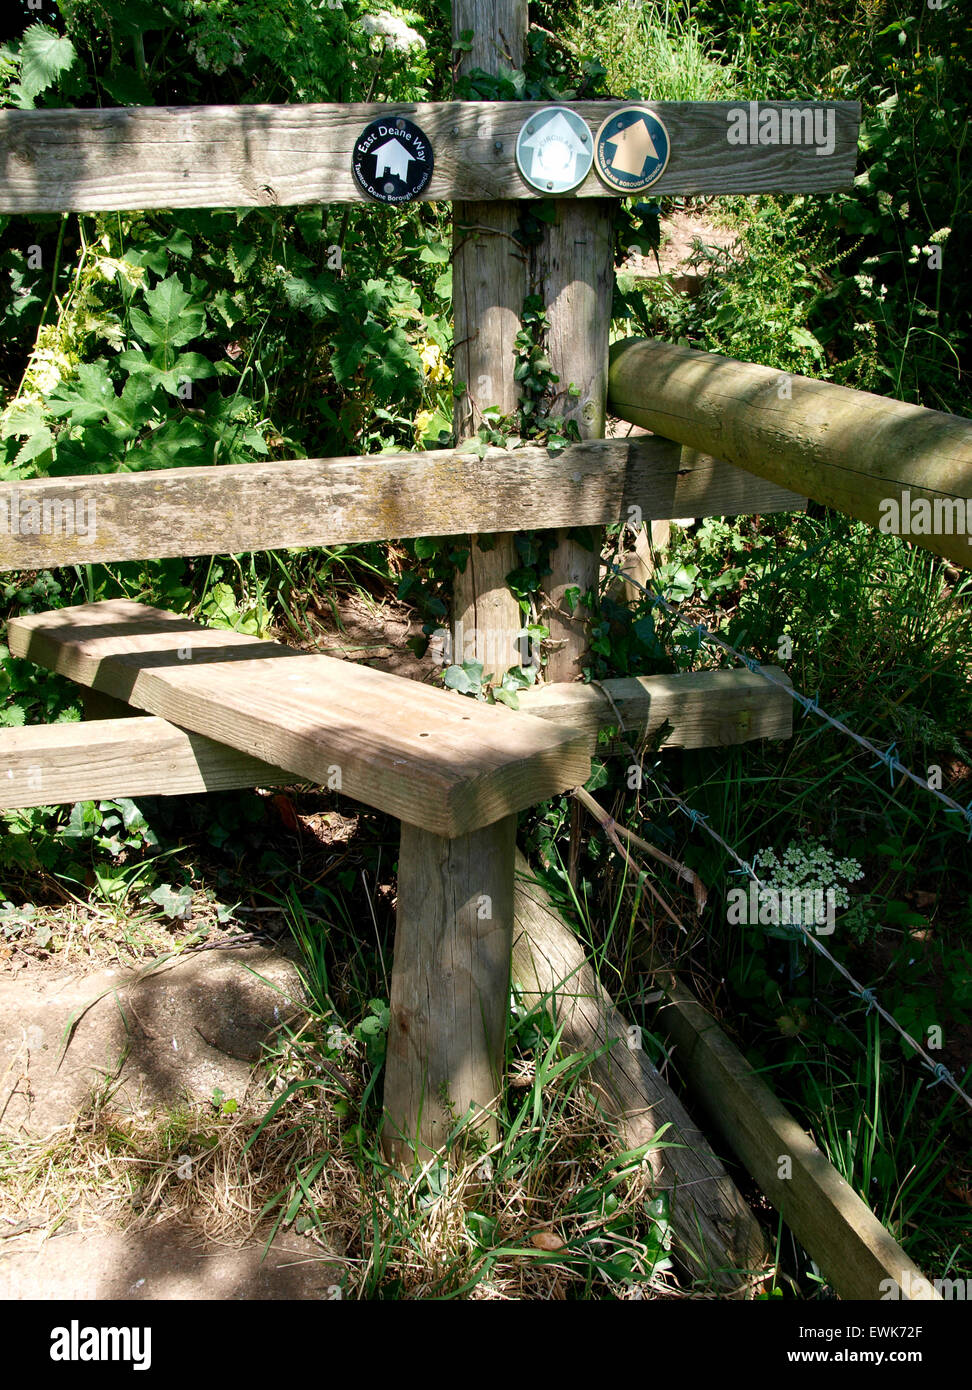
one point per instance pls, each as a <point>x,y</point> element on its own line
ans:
<point>631,149</point>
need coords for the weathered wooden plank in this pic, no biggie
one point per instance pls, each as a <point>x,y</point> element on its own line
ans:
<point>51,764</point>
<point>489,285</point>
<point>244,156</point>
<point>865,455</point>
<point>450,989</point>
<point>717,1238</point>
<point>279,506</point>
<point>704,709</point>
<point>574,274</point>
<point>408,749</point>
<point>855,1252</point>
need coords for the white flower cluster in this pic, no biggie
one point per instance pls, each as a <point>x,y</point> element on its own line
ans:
<point>234,54</point>
<point>808,864</point>
<point>396,33</point>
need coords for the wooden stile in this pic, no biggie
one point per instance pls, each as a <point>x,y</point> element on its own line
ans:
<point>415,752</point>
<point>489,284</point>
<point>717,1239</point>
<point>113,754</point>
<point>575,279</point>
<point>450,994</point>
<point>703,709</point>
<point>856,1254</point>
<point>112,757</point>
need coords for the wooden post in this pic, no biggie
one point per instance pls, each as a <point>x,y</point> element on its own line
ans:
<point>450,992</point>
<point>574,274</point>
<point>489,285</point>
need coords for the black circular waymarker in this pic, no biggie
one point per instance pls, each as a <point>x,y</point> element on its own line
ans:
<point>392,160</point>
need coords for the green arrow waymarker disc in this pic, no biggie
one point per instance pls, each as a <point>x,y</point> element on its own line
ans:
<point>632,149</point>
<point>554,150</point>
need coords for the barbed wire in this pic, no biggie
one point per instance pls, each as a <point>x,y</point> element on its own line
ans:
<point>887,756</point>
<point>699,819</point>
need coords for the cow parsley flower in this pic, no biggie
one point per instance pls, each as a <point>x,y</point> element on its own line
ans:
<point>396,33</point>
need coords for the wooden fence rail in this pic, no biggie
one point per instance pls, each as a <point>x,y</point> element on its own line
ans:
<point>899,466</point>
<point>318,502</point>
<point>140,157</point>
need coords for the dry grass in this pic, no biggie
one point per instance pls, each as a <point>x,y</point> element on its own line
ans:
<point>523,1222</point>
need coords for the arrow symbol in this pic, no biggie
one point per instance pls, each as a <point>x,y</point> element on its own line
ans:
<point>555,149</point>
<point>632,146</point>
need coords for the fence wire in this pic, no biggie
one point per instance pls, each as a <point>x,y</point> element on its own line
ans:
<point>940,1072</point>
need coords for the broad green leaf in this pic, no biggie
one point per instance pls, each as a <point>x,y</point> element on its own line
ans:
<point>44,56</point>
<point>173,319</point>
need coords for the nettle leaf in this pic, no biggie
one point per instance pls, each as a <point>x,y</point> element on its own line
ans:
<point>44,56</point>
<point>173,319</point>
<point>35,447</point>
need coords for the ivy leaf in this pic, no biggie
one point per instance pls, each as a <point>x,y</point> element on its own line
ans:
<point>173,902</point>
<point>467,678</point>
<point>44,56</point>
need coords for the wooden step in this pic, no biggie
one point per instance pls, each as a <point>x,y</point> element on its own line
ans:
<point>422,754</point>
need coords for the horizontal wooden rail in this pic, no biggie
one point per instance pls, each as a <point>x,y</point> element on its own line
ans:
<point>901,467</point>
<point>109,756</point>
<point>703,709</point>
<point>100,759</point>
<point>312,502</point>
<point>242,156</point>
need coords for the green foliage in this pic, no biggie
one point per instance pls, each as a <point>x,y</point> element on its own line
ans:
<point>650,52</point>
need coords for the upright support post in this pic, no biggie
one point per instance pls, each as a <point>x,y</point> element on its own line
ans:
<point>574,273</point>
<point>450,991</point>
<point>489,286</point>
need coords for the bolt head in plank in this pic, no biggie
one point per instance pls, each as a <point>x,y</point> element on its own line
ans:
<point>422,754</point>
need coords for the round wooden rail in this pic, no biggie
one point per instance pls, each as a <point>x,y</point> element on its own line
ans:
<point>900,467</point>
